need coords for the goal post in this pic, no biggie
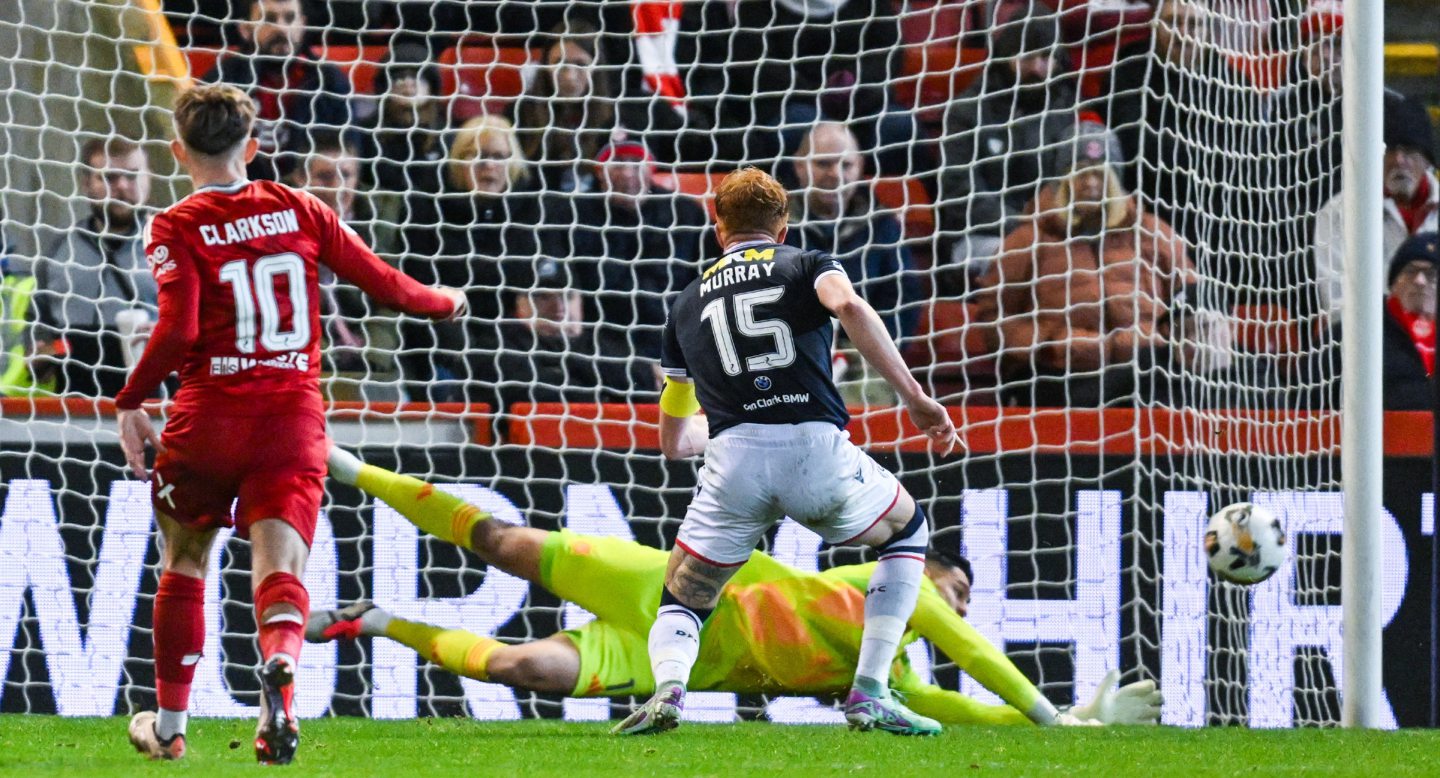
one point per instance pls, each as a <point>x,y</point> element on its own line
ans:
<point>1361,441</point>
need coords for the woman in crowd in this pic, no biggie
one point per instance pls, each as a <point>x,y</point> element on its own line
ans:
<point>567,113</point>
<point>487,247</point>
<point>1080,285</point>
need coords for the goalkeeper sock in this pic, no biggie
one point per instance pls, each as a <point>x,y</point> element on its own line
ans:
<point>675,640</point>
<point>282,630</point>
<point>889,602</point>
<point>443,515</point>
<point>179,641</point>
<point>460,652</point>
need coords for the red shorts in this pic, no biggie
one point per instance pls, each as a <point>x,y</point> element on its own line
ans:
<point>269,467</point>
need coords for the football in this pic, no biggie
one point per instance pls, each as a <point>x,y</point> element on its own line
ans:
<point>1244,543</point>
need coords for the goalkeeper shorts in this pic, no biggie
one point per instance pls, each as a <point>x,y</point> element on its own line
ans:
<point>614,661</point>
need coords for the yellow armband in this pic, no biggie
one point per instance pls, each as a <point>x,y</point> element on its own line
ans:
<point>678,399</point>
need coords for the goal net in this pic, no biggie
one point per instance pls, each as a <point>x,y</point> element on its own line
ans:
<point>1092,231</point>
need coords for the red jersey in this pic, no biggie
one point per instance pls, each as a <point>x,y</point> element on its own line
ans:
<point>237,269</point>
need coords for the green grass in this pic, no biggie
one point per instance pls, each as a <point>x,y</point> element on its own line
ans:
<point>426,748</point>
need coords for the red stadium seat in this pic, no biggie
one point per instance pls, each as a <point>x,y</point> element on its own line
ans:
<point>482,77</point>
<point>946,353</point>
<point>908,196</point>
<point>360,63</point>
<point>1266,329</point>
<point>933,21</point>
<point>935,74</point>
<point>202,60</point>
<point>701,185</point>
<point>945,334</point>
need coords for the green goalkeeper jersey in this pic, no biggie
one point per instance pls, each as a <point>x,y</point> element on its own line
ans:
<point>777,630</point>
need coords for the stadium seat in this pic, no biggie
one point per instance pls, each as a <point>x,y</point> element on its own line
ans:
<point>934,21</point>
<point>944,334</point>
<point>908,196</point>
<point>360,63</point>
<point>701,185</point>
<point>935,74</point>
<point>946,353</point>
<point>482,77</point>
<point>1266,329</point>
<point>201,59</point>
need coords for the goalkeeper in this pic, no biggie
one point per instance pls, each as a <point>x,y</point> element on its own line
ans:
<point>777,630</point>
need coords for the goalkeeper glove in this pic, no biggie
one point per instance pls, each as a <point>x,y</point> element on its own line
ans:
<point>1134,703</point>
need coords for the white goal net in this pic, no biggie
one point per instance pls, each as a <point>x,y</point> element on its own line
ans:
<point>1091,230</point>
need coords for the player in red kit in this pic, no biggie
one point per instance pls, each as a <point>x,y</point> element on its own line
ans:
<point>236,264</point>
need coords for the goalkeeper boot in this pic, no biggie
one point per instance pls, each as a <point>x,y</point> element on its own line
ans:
<point>865,711</point>
<point>148,742</point>
<point>661,713</point>
<point>278,735</point>
<point>343,624</point>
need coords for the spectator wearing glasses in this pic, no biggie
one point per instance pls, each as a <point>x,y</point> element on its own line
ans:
<point>1412,197</point>
<point>1408,336</point>
<point>94,292</point>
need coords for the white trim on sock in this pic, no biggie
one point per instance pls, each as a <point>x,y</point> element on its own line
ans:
<point>169,723</point>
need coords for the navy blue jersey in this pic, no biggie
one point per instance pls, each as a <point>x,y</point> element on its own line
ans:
<point>753,336</point>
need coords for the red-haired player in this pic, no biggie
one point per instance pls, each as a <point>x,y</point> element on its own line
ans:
<point>236,263</point>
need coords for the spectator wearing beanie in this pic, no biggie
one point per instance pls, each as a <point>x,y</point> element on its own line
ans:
<point>1412,197</point>
<point>1408,339</point>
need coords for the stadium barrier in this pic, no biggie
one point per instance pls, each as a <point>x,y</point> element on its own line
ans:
<point>1065,588</point>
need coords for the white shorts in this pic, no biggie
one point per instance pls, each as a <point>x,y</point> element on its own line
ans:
<point>757,474</point>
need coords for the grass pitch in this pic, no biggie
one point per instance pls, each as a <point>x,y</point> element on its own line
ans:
<point>427,748</point>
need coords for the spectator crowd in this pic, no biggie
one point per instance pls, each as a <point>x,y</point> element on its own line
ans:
<point>1104,226</point>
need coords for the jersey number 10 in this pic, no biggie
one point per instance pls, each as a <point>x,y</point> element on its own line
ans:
<point>745,322</point>
<point>261,295</point>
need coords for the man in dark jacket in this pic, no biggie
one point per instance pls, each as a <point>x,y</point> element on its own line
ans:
<point>629,247</point>
<point>1408,338</point>
<point>547,352</point>
<point>996,136</point>
<point>402,147</point>
<point>292,90</point>
<point>94,288</point>
<point>833,212</point>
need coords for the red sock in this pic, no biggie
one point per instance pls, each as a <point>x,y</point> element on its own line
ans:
<point>282,633</point>
<point>179,637</point>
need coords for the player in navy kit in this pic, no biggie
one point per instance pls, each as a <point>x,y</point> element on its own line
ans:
<point>750,343</point>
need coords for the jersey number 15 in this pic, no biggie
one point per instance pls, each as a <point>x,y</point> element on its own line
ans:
<point>261,295</point>
<point>746,324</point>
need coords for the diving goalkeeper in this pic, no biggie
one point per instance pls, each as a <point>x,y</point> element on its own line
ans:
<point>777,630</point>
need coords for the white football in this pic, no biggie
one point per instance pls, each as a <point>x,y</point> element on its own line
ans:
<point>1244,543</point>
